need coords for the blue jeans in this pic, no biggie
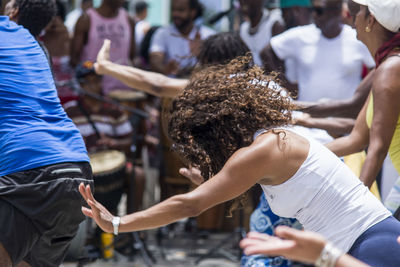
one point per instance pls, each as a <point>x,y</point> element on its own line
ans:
<point>263,220</point>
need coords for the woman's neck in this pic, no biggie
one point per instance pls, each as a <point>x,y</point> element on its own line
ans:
<point>381,37</point>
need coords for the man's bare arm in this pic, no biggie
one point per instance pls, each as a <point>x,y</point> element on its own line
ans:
<point>79,39</point>
<point>347,108</point>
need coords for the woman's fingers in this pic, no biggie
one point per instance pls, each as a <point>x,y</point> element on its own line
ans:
<point>89,193</point>
<point>272,247</point>
<point>104,51</point>
<point>257,246</point>
<point>82,191</point>
<point>288,233</point>
<point>260,236</point>
<point>92,205</point>
<point>193,174</point>
<point>87,212</point>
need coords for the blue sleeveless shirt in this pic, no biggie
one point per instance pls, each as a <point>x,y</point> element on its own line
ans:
<point>34,129</point>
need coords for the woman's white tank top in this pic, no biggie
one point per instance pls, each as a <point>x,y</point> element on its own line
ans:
<point>326,197</point>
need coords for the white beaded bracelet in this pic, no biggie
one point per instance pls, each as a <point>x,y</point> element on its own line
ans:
<point>328,257</point>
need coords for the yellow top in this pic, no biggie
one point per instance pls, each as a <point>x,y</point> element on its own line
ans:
<point>394,149</point>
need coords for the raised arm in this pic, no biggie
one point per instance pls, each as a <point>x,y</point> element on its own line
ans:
<point>386,96</point>
<point>150,82</point>
<point>348,108</point>
<point>356,141</point>
<point>80,38</point>
<point>132,50</point>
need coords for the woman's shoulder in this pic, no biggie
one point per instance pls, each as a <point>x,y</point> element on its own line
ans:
<point>387,74</point>
<point>278,154</point>
<point>262,148</point>
<point>272,148</point>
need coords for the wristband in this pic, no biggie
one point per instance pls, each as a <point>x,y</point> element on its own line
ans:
<point>328,257</point>
<point>115,222</point>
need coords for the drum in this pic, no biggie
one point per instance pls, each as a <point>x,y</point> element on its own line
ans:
<point>109,175</point>
<point>128,97</point>
<point>133,99</point>
<point>171,182</point>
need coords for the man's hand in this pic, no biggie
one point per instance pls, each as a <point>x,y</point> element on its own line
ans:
<point>193,174</point>
<point>172,68</point>
<point>195,44</point>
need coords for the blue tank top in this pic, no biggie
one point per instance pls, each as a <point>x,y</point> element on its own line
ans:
<point>34,129</point>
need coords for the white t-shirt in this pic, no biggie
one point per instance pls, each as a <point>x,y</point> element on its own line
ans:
<point>71,19</point>
<point>325,68</point>
<point>169,41</point>
<point>140,30</point>
<point>256,42</point>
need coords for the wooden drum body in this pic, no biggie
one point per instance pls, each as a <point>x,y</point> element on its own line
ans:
<point>137,100</point>
<point>109,175</point>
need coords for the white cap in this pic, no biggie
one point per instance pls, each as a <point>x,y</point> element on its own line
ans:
<point>386,12</point>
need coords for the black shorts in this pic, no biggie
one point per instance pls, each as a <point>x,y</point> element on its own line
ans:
<point>40,212</point>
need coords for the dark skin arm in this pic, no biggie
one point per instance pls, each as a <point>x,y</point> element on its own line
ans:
<point>80,38</point>
<point>277,28</point>
<point>133,44</point>
<point>348,108</point>
<point>334,126</point>
<point>356,141</point>
<point>270,60</point>
<point>386,93</point>
<point>157,64</point>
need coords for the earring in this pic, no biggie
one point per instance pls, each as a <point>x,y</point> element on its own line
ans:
<point>367,29</point>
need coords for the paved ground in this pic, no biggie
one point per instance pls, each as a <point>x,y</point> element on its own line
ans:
<point>178,248</point>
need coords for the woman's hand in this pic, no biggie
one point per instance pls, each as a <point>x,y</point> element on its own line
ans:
<point>193,174</point>
<point>103,57</point>
<point>291,243</point>
<point>97,211</point>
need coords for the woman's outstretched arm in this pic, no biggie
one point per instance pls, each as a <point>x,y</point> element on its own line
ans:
<point>244,169</point>
<point>293,244</point>
<point>150,82</point>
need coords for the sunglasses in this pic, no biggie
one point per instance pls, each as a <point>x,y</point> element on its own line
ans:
<point>321,10</point>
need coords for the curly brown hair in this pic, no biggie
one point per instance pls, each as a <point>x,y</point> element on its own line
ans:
<point>221,109</point>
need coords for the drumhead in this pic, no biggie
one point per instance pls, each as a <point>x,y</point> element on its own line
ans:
<point>127,95</point>
<point>106,162</point>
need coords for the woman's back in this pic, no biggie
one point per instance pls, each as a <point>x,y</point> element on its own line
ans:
<point>325,186</point>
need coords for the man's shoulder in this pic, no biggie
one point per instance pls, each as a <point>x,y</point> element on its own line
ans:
<point>309,29</point>
<point>299,34</point>
<point>167,29</point>
<point>206,31</point>
<point>349,34</point>
<point>13,31</point>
